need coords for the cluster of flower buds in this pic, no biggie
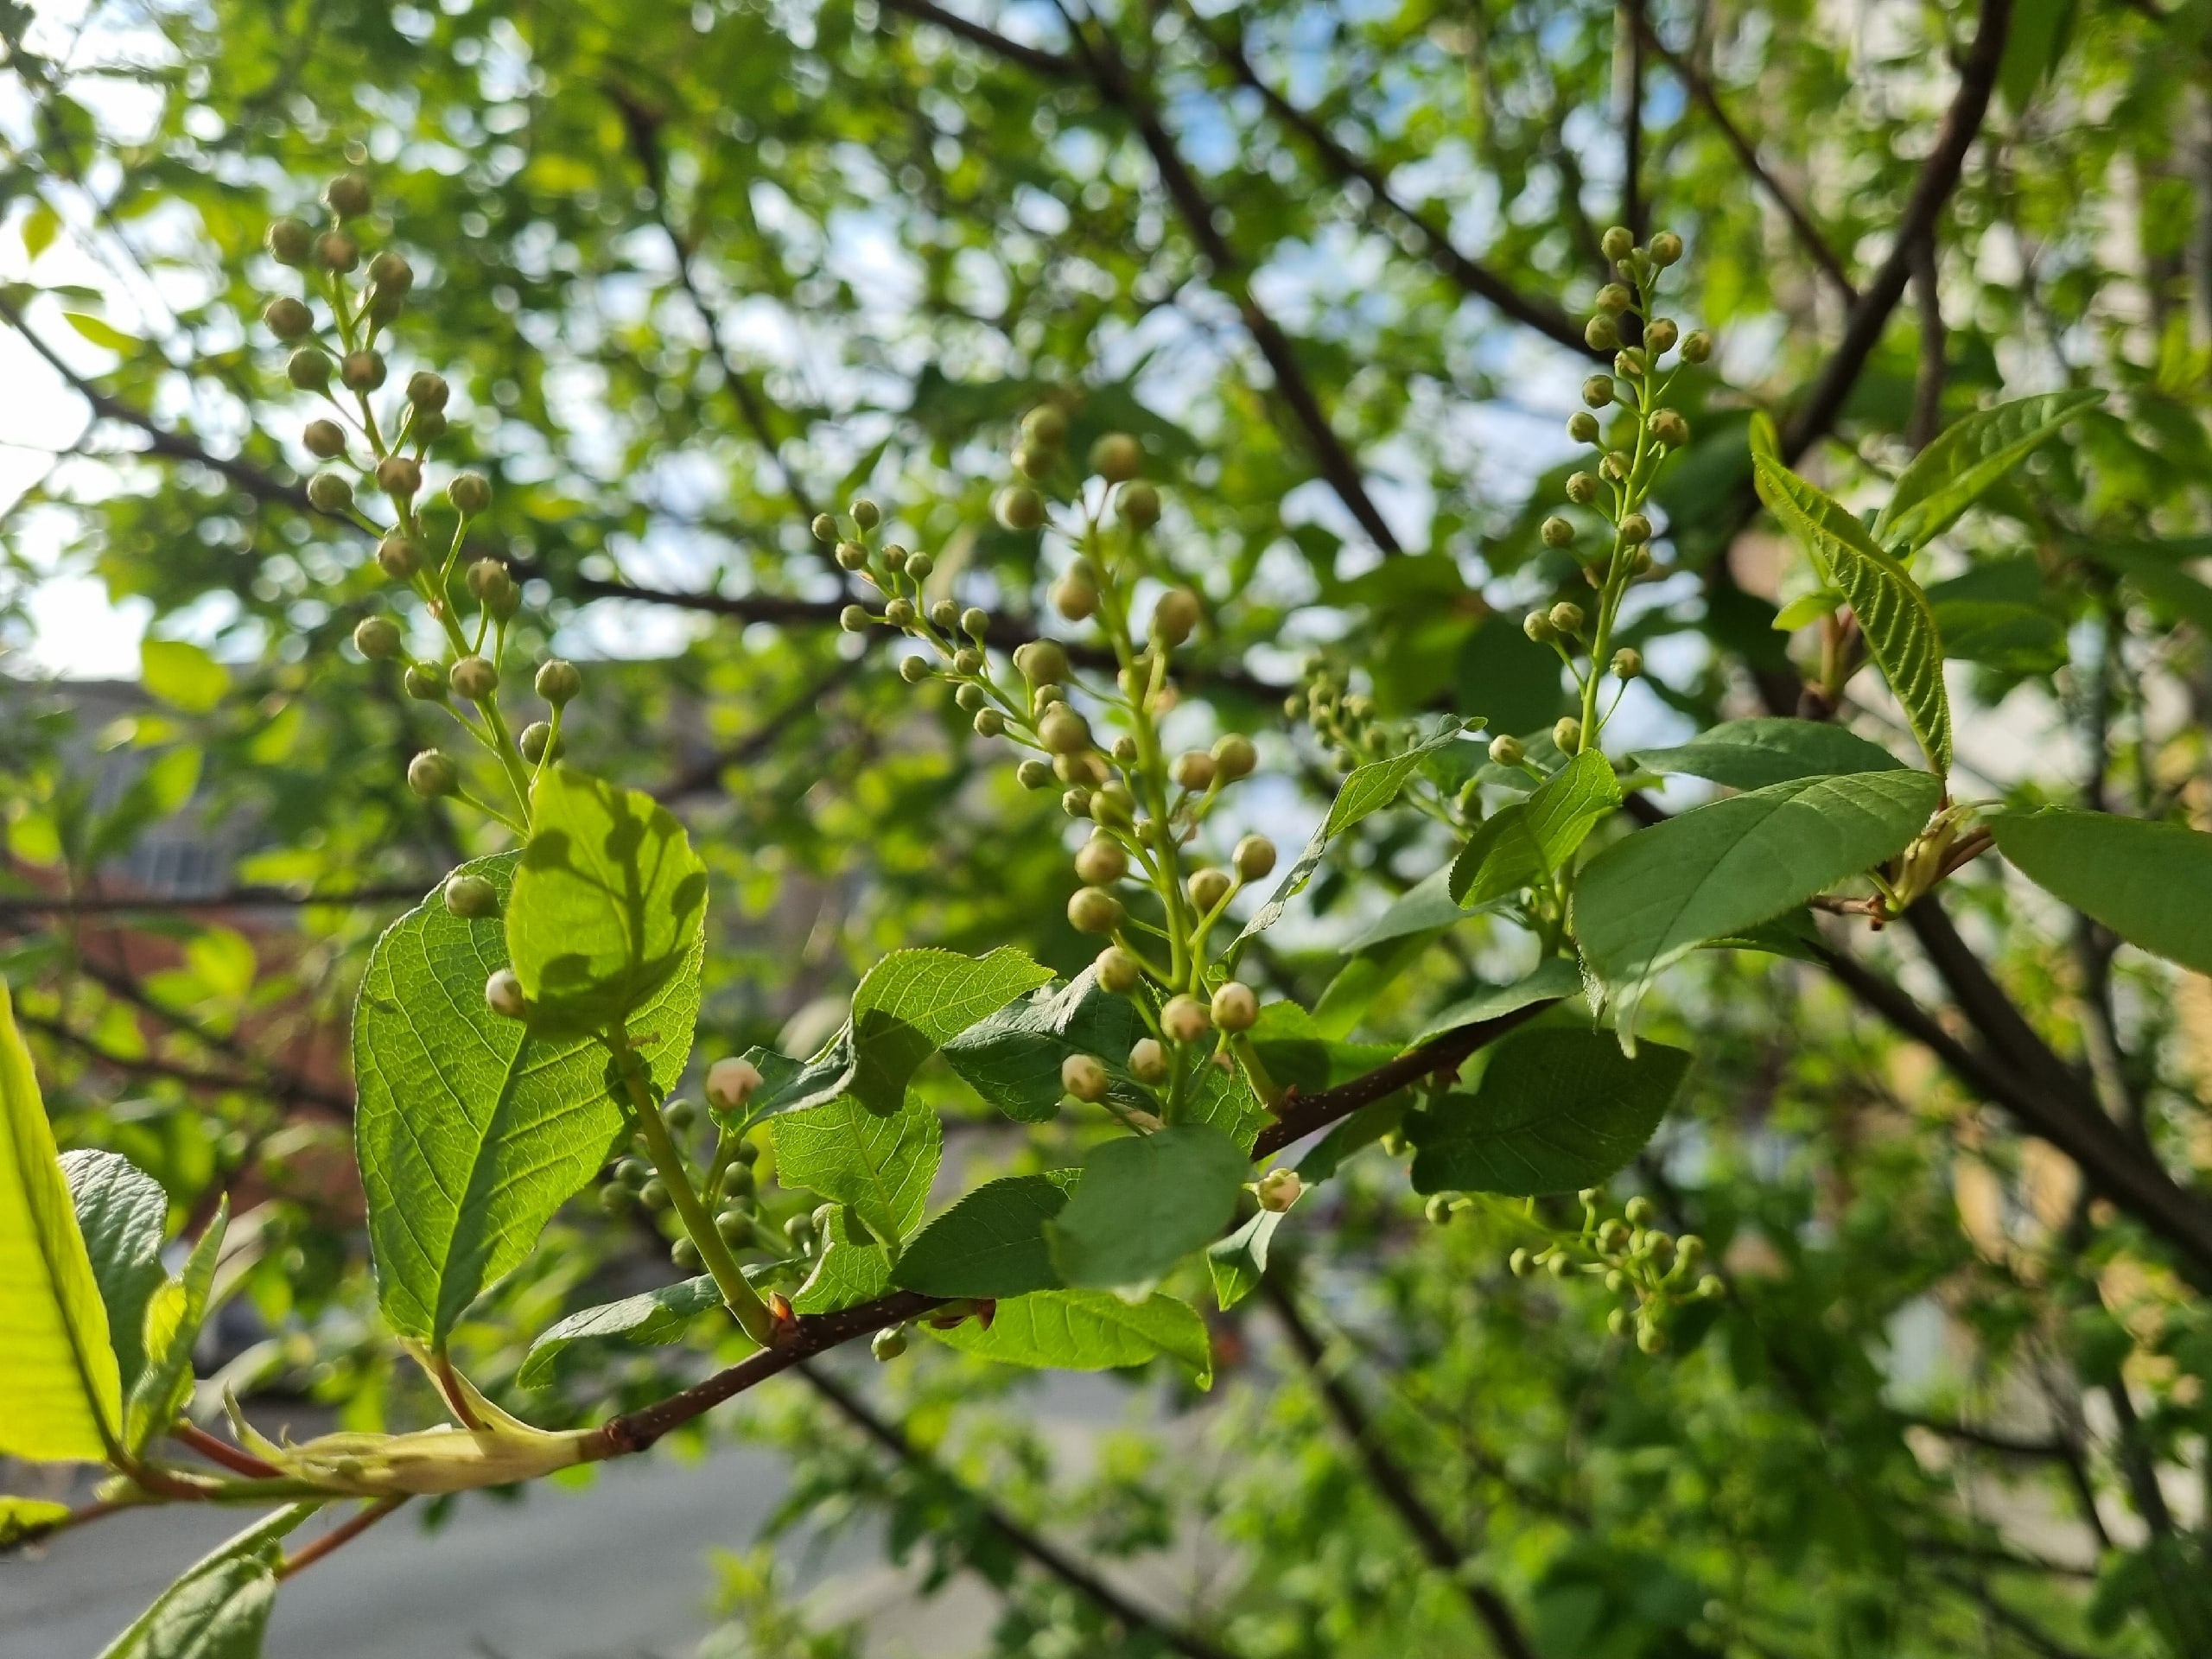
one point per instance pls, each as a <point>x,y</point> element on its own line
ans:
<point>1344,720</point>
<point>1656,1269</point>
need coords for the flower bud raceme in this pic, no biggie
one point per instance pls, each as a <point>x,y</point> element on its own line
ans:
<point>290,241</point>
<point>1118,970</point>
<point>475,677</point>
<point>730,1084</point>
<point>325,439</point>
<point>1148,1062</point>
<point>1278,1189</point>
<point>537,742</point>
<point>1254,857</point>
<point>1208,888</point>
<point>1507,751</point>
<point>471,896</point>
<point>330,492</point>
<point>1567,733</point>
<point>1100,861</point>
<point>288,318</point>
<point>1597,390</point>
<point>1018,508</point>
<point>1175,615</point>
<point>431,774</point>
<point>1094,909</point>
<point>377,636</point>
<point>398,475</point>
<point>1184,1020</point>
<point>1235,756</point>
<point>1085,1076</point>
<point>1194,769</point>
<point>1117,457</point>
<point>1557,532</point>
<point>1063,731</point>
<point>1234,1008</point>
<point>335,250</point>
<point>1138,505</point>
<point>503,995</point>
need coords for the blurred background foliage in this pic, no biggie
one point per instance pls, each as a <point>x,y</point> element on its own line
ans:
<point>697,273</point>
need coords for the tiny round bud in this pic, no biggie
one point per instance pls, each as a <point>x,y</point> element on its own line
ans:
<point>1045,426</point>
<point>429,426</point>
<point>851,555</point>
<point>362,370</point>
<point>1125,750</point>
<point>470,493</point>
<point>1075,596</point>
<point>537,740</point>
<point>1557,532</point>
<point>1666,248</point>
<point>1661,336</point>
<point>1628,663</point>
<point>685,1255</point>
<point>1567,733</point>
<point>335,250</point>
<point>1697,345</point>
<point>471,896</point>
<point>730,1084</point>
<point>1617,1321</point>
<point>288,318</point>
<point>1635,529</point>
<point>1614,298</point>
<point>330,492</point>
<point>1669,427</point>
<point>1618,243</point>
<point>1118,970</point>
<point>290,241</point>
<point>1175,615</point>
<point>1184,1020</point>
<point>558,681</point>
<point>1507,751</point>
<point>1639,1211</point>
<point>1628,362</point>
<point>799,1230</point>
<point>946,615</point>
<point>1597,390</point>
<point>325,439</point>
<point>489,581</point>
<point>1114,804</point>
<point>1084,1077</point>
<point>1117,457</point>
<point>432,773</point>
<point>918,566</point>
<point>1650,1339</point>
<point>1041,662</point>
<point>853,619</point>
<point>1034,774</point>
<point>1234,1008</point>
<point>1207,888</point>
<point>1566,617</point>
<point>503,995</point>
<point>1018,508</point>
<point>680,1116</point>
<point>1033,463</point>
<point>1278,1189</point>
<point>1582,427</point>
<point>1094,909</point>
<point>1194,770</point>
<point>424,684</point>
<point>865,513</point>
<point>428,391</point>
<point>1138,504</point>
<point>1537,625</point>
<point>915,669</point>
<point>1710,1286</point>
<point>1254,857</point>
<point>1612,1237</point>
<point>1063,731</point>
<point>1614,466</point>
<point>895,556</point>
<point>309,369</point>
<point>899,614</point>
<point>1234,753</point>
<point>1581,489</point>
<point>1439,1210</point>
<point>1101,861</point>
<point>1601,334</point>
<point>733,1226</point>
<point>398,475</point>
<point>1076,803</point>
<point>989,722</point>
<point>616,1200</point>
<point>825,528</point>
<point>398,557</point>
<point>348,195</point>
<point>652,1193</point>
<point>1148,1061</point>
<point>475,677</point>
<point>974,622</point>
<point>377,636</point>
<point>1520,1263</point>
<point>888,1343</point>
<point>389,272</point>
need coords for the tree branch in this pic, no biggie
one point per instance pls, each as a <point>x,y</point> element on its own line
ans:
<point>1038,1548</point>
<point>1050,64</point>
<point>248,898</point>
<point>1394,1485</point>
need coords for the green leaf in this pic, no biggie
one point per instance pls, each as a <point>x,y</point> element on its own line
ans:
<point>881,1166</point>
<point>1556,1110</point>
<point>1892,612</point>
<point>609,903</point>
<point>25,1517</point>
<point>1423,908</point>
<point>1652,897</point>
<point>1298,1054</point>
<point>102,333</point>
<point>651,1317</point>
<point>1532,840</point>
<point>174,1316</point>
<point>1966,458</point>
<point>219,1608</point>
<point>2149,882</point>
<point>41,225</point>
<point>1013,1058</point>
<point>1087,1331</point>
<point>162,789</point>
<point>1145,1203</point>
<point>1363,1129</point>
<point>2158,571</point>
<point>471,1129</point>
<point>991,1243</point>
<point>61,1395</point>
<point>1752,754</point>
<point>851,1268</point>
<point>2026,638</point>
<point>122,1215</point>
<point>1809,607</point>
<point>182,675</point>
<point>1238,1261</point>
<point>1551,980</point>
<point>1368,790</point>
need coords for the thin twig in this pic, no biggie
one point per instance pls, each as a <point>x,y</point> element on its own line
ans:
<point>340,1535</point>
<point>250,897</point>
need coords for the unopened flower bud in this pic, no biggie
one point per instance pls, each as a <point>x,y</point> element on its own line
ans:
<point>488,580</point>
<point>1207,888</point>
<point>1597,390</point>
<point>1670,428</point>
<point>1710,1286</point>
<point>348,195</point>
<point>362,370</point>
<point>475,677</point>
<point>825,528</point>
<point>431,774</point>
<point>389,272</point>
<point>1045,426</point>
<point>1018,508</point>
<point>1520,1263</point>
<point>330,492</point>
<point>1639,1211</point>
<point>1582,427</point>
<point>1033,463</point>
<point>1628,663</point>
<point>989,722</point>
<point>309,369</point>
<point>1600,334</point>
<point>1661,336</point>
<point>398,475</point>
<point>470,493</point>
<point>853,619</point>
<point>946,614</point>
<point>730,1084</point>
<point>290,241</point>
<point>1635,529</point>
<point>1041,662</point>
<point>1034,774</point>
<point>915,669</point>
<point>1194,770</point>
<point>1063,731</point>
<point>424,683</point>
<point>1254,857</point>
<point>1076,803</point>
<point>288,318</point>
<point>1557,532</point>
<point>865,513</point>
<point>325,439</point>
<point>1697,345</point>
<point>1666,248</point>
<point>1138,504</point>
<point>1175,615</point>
<point>1567,733</point>
<point>1614,298</point>
<point>1094,909</point>
<point>851,555</point>
<point>336,251</point>
<point>1581,489</point>
<point>1234,754</point>
<point>537,742</point>
<point>1507,751</point>
<point>1184,1020</point>
<point>1628,362</point>
<point>1085,1076</point>
<point>1115,804</point>
<point>1118,970</point>
<point>1618,243</point>
<point>376,637</point>
<point>1537,625</point>
<point>1566,617</point>
<point>1278,1189</point>
<point>918,566</point>
<point>1101,861</point>
<point>1438,1209</point>
<point>1075,596</point>
<point>1117,457</point>
<point>1234,1008</point>
<point>895,556</point>
<point>503,995</point>
<point>398,556</point>
<point>470,897</point>
<point>974,622</point>
<point>888,1343</point>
